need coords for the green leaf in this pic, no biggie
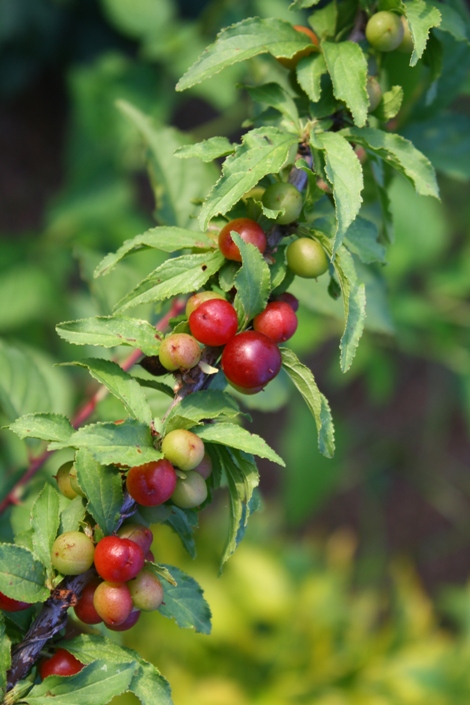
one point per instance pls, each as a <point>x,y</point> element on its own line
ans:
<point>96,684</point>
<point>304,380</point>
<point>274,96</point>
<point>310,69</point>
<point>22,576</point>
<point>23,388</point>
<point>421,17</point>
<point>446,141</point>
<point>354,301</point>
<point>165,238</point>
<point>452,22</point>
<point>45,524</point>
<point>110,331</point>
<point>121,385</point>
<point>128,442</point>
<point>390,104</point>
<point>242,41</point>
<point>344,172</point>
<point>207,150</point>
<point>180,275</point>
<point>103,488</point>
<point>46,426</point>
<point>237,437</point>
<point>301,4</point>
<point>5,656</point>
<point>324,20</point>
<point>149,686</point>
<point>72,515</point>
<point>184,522</point>
<point>208,404</point>
<point>185,603</point>
<point>361,239</point>
<point>347,66</point>
<point>398,152</point>
<point>161,572</point>
<point>252,281</point>
<point>264,150</point>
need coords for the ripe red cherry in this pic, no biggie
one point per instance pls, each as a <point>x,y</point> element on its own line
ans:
<point>214,322</point>
<point>85,609</point>
<point>113,602</point>
<point>62,663</point>
<point>137,533</point>
<point>248,230</point>
<point>151,484</point>
<point>118,560</point>
<point>278,321</point>
<point>251,360</point>
<point>8,604</point>
<point>289,299</point>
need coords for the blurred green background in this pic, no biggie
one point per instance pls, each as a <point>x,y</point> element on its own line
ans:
<point>351,584</point>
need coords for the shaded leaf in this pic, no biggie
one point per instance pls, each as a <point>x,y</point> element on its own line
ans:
<point>184,522</point>
<point>361,239</point>
<point>207,150</point>
<point>45,524</point>
<point>252,281</point>
<point>208,404</point>
<point>309,70</point>
<point>103,488</point>
<point>185,603</point>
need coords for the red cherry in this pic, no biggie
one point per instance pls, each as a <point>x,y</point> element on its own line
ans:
<point>113,602</point>
<point>289,299</point>
<point>8,604</point>
<point>118,560</point>
<point>85,609</point>
<point>278,321</point>
<point>251,360</point>
<point>248,230</point>
<point>137,533</point>
<point>214,322</point>
<point>151,484</point>
<point>127,624</point>
<point>62,663</point>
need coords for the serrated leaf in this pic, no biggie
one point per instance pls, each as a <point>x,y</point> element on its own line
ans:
<point>252,281</point>
<point>208,404</point>
<point>398,152</point>
<point>344,172</point>
<point>121,385</point>
<point>23,388</point>
<point>161,572</point>
<point>263,151</point>
<point>421,18</point>
<point>184,602</point>
<point>46,426</point>
<point>390,104</point>
<point>110,331</point>
<point>347,66</point>
<point>242,41</point>
<point>451,21</point>
<point>128,442</point>
<point>180,275</point>
<point>45,524</point>
<point>227,275</point>
<point>72,515</point>
<point>149,686</point>
<point>164,238</point>
<point>379,176</point>
<point>354,300</point>
<point>302,4</point>
<point>237,437</point>
<point>309,70</point>
<point>361,239</point>
<point>95,684</point>
<point>304,380</point>
<point>22,576</point>
<point>103,488</point>
<point>184,522</point>
<point>207,150</point>
<point>5,656</point>
<point>324,20</point>
<point>274,96</point>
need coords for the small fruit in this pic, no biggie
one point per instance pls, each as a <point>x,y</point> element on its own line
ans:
<point>117,560</point>
<point>214,322</point>
<point>9,604</point>
<point>197,299</point>
<point>283,196</point>
<point>72,553</point>
<point>251,360</point>
<point>248,230</point>
<point>113,602</point>
<point>151,484</point>
<point>289,299</point>
<point>141,535</point>
<point>183,449</point>
<point>278,321</point>
<point>374,92</point>
<point>146,591</point>
<point>179,351</point>
<point>127,624</point>
<point>406,46</point>
<point>190,491</point>
<point>63,480</point>
<point>205,467</point>
<point>62,663</point>
<point>294,60</point>
<point>307,258</point>
<point>85,609</point>
<point>384,31</point>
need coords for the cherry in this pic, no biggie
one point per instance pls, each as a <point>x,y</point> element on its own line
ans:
<point>248,230</point>
<point>406,45</point>
<point>190,491</point>
<point>146,591</point>
<point>64,481</point>
<point>251,360</point>
<point>179,351</point>
<point>150,557</point>
<point>214,322</point>
<point>278,321</point>
<point>9,604</point>
<point>127,624</point>
<point>289,299</point>
<point>205,467</point>
<point>113,602</point>
<point>137,533</point>
<point>62,663</point>
<point>72,553</point>
<point>151,484</point>
<point>307,258</point>
<point>385,31</point>
<point>85,609</point>
<point>294,60</point>
<point>374,92</point>
<point>197,299</point>
<point>183,449</point>
<point>118,560</point>
<point>283,196</point>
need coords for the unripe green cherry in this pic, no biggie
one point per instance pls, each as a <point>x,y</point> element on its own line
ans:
<point>183,449</point>
<point>146,591</point>
<point>179,351</point>
<point>190,491</point>
<point>406,46</point>
<point>72,553</point>
<point>197,299</point>
<point>307,258</point>
<point>384,31</point>
<point>374,92</point>
<point>283,196</point>
<point>64,480</point>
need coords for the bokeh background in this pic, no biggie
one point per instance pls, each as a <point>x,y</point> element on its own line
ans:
<point>351,585</point>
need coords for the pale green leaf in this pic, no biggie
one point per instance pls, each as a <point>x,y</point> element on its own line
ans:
<point>310,69</point>
<point>23,388</point>
<point>234,436</point>
<point>354,300</point>
<point>110,331</point>
<point>72,515</point>
<point>185,603</point>
<point>324,20</point>
<point>5,656</point>
<point>274,96</point>
<point>46,426</point>
<point>45,524</point>
<point>421,16</point>
<point>207,404</point>
<point>302,4</point>
<point>207,150</point>
<point>252,281</point>
<point>390,104</point>
<point>22,576</point>
<point>347,66</point>
<point>103,488</point>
